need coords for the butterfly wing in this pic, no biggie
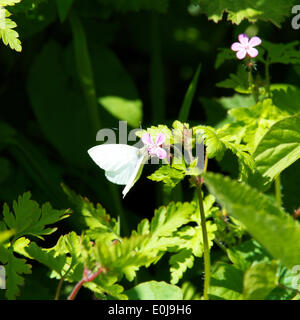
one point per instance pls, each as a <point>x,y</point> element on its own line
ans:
<point>135,175</point>
<point>118,160</point>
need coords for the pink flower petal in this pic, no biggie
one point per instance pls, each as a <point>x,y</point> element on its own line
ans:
<point>241,54</point>
<point>252,52</point>
<point>254,41</point>
<point>160,139</point>
<point>243,39</point>
<point>161,153</point>
<point>236,46</point>
<point>146,138</point>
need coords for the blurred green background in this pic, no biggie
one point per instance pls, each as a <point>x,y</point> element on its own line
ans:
<point>101,62</point>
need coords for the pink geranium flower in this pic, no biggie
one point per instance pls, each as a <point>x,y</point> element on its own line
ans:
<point>246,47</point>
<point>155,149</point>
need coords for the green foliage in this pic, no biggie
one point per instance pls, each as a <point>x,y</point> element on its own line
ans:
<point>246,9</point>
<point>4,235</point>
<point>28,219</point>
<point>279,147</point>
<point>286,53</point>
<point>238,81</point>
<point>7,33</point>
<point>189,96</point>
<point>260,280</point>
<point>262,218</point>
<point>95,218</point>
<point>218,141</point>
<point>168,175</point>
<point>154,290</point>
<point>78,74</point>
<point>63,8</point>
<point>226,282</point>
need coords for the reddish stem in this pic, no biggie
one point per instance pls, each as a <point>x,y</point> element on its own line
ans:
<point>87,277</point>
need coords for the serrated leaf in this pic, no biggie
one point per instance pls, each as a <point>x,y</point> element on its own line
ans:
<point>246,253</point>
<point>168,175</point>
<point>180,262</point>
<point>252,10</point>
<point>287,99</point>
<point>95,217</point>
<point>11,37</point>
<point>154,290</point>
<point>4,3</point>
<point>214,146</point>
<point>168,219</point>
<point>15,269</point>
<point>237,81</point>
<point>29,219</point>
<point>278,232</point>
<point>279,147</point>
<point>286,53</point>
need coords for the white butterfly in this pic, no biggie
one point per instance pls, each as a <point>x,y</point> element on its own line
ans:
<point>123,164</point>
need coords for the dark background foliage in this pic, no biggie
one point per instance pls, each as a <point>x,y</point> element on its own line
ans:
<point>149,55</point>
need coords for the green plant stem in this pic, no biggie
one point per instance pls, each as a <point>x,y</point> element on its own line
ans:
<point>57,294</point>
<point>251,85</point>
<point>205,241</point>
<point>278,191</point>
<point>267,75</point>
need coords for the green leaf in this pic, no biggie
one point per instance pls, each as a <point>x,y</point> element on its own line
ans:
<point>4,3</point>
<point>52,114</point>
<point>226,282</point>
<point>189,96</point>
<point>279,147</point>
<point>96,218</point>
<point>54,65</point>
<point>252,10</point>
<point>287,99</point>
<point>11,37</point>
<point>237,81</point>
<point>85,71</point>
<point>5,235</point>
<point>224,55</point>
<point>123,109</point>
<point>15,268</point>
<point>278,232</point>
<point>29,219</point>
<point>253,122</point>
<point>260,280</point>
<point>214,146</point>
<point>123,257</point>
<point>154,290</point>
<point>168,219</point>
<point>286,53</point>
<point>180,262</point>
<point>237,101</point>
<point>63,7</point>
<point>245,254</point>
<point>168,175</point>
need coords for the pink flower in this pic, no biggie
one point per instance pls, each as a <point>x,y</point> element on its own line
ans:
<point>245,47</point>
<point>154,149</point>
